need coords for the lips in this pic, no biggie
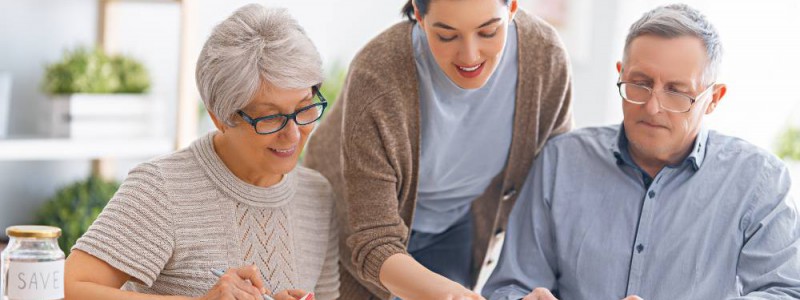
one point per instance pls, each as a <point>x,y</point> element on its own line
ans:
<point>652,124</point>
<point>283,152</point>
<point>470,71</point>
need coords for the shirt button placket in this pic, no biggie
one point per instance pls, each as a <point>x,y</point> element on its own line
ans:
<point>637,261</point>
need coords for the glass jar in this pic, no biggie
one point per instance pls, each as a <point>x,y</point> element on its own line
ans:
<point>32,264</point>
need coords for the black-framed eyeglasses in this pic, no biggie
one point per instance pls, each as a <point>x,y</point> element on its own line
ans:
<point>668,100</point>
<point>274,123</point>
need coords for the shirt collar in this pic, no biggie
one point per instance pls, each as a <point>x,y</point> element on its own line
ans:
<point>619,148</point>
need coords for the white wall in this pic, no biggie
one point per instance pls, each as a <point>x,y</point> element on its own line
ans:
<point>762,41</point>
<point>35,32</point>
<point>32,33</point>
<point>760,62</point>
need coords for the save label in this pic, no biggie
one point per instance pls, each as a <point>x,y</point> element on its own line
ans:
<point>35,280</point>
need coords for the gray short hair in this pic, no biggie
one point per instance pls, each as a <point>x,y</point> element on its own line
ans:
<point>677,20</point>
<point>254,45</point>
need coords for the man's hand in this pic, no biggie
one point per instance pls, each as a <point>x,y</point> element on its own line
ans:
<point>633,297</point>
<point>542,294</point>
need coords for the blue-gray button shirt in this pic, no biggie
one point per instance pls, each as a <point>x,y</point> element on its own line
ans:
<point>590,224</point>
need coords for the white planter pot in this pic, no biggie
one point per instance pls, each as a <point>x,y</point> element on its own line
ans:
<point>81,116</point>
<point>5,103</point>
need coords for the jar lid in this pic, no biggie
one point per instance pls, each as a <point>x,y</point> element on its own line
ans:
<point>33,231</point>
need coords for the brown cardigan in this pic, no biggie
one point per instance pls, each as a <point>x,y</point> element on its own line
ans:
<point>368,148</point>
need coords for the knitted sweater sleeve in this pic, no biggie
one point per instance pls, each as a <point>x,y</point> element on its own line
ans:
<point>134,232</point>
<point>328,284</point>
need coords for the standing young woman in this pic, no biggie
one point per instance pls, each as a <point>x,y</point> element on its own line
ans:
<point>438,123</point>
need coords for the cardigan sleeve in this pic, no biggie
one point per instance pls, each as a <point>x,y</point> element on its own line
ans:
<point>559,96</point>
<point>371,147</point>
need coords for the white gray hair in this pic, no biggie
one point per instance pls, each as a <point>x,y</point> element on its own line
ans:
<point>254,45</point>
<point>677,20</point>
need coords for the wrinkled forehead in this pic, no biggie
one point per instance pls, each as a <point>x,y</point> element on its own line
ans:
<point>680,58</point>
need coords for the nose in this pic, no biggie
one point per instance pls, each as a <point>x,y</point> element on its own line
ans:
<point>652,106</point>
<point>470,53</point>
<point>291,132</point>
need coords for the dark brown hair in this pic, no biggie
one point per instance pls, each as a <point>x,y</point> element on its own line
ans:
<point>422,5</point>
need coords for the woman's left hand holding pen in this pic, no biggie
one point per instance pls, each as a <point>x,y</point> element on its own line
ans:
<point>243,283</point>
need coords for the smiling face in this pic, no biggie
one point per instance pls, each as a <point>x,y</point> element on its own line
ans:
<point>666,64</point>
<point>251,155</point>
<point>467,37</point>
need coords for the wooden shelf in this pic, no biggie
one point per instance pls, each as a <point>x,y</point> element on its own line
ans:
<point>187,118</point>
<point>58,149</point>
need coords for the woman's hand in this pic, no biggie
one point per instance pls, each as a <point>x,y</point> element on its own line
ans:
<point>452,291</point>
<point>408,279</point>
<point>238,284</point>
<point>293,295</point>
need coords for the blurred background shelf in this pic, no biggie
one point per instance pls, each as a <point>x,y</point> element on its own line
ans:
<point>16,149</point>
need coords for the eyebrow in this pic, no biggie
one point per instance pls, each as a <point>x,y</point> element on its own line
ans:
<point>448,27</point>
<point>680,84</point>
<point>637,74</point>
<point>309,96</point>
<point>490,22</point>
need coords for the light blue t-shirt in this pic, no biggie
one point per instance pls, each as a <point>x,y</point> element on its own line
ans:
<point>466,135</point>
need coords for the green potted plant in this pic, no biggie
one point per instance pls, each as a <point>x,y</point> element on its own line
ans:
<point>99,95</point>
<point>74,208</point>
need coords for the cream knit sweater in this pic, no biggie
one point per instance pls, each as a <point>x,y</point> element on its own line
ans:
<point>176,217</point>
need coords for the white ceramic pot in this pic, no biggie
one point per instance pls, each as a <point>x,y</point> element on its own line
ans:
<point>104,116</point>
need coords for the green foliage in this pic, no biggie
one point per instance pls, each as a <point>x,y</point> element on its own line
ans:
<point>75,207</point>
<point>92,71</point>
<point>333,84</point>
<point>133,76</point>
<point>331,88</point>
<point>789,144</point>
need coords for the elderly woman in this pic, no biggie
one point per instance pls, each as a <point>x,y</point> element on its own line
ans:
<point>234,199</point>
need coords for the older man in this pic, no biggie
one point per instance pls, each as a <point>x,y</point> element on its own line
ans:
<point>659,207</point>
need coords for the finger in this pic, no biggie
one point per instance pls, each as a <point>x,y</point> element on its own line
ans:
<point>284,295</point>
<point>633,297</point>
<point>239,294</point>
<point>297,293</point>
<point>251,273</point>
<point>225,290</point>
<point>473,296</point>
<point>543,294</point>
<point>237,283</point>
